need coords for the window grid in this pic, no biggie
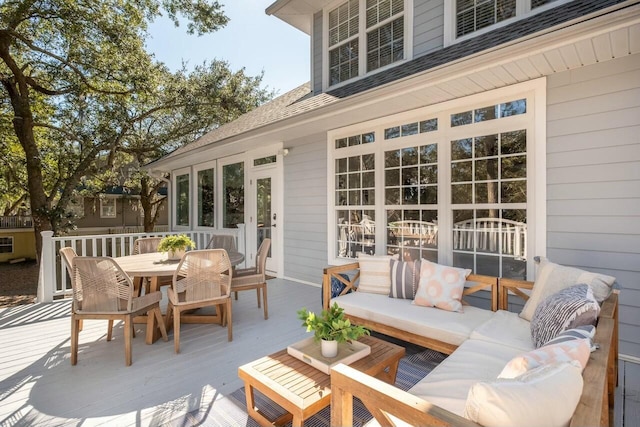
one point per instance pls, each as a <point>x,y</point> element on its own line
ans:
<point>6,245</point>
<point>408,129</point>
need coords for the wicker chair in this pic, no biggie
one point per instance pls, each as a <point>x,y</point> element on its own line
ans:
<point>101,290</point>
<point>254,278</point>
<point>145,245</point>
<point>203,279</point>
<point>223,241</point>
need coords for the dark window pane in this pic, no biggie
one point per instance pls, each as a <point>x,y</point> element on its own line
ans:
<point>461,171</point>
<point>461,149</point>
<point>486,192</point>
<point>392,177</point>
<point>429,125</point>
<point>409,156</point>
<point>486,169</point>
<point>513,108</point>
<point>429,195</point>
<point>460,119</point>
<point>461,193</point>
<point>391,133</point>
<point>514,167</point>
<point>486,113</point>
<point>514,191</point>
<point>513,142</point>
<point>392,158</point>
<point>392,196</point>
<point>429,174</point>
<point>429,154</point>
<point>410,129</point>
<point>486,146</point>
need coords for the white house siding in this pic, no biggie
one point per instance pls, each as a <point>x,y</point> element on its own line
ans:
<point>316,54</point>
<point>305,208</point>
<point>593,179</point>
<point>428,26</point>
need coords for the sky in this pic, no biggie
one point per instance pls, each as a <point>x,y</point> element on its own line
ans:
<point>251,40</point>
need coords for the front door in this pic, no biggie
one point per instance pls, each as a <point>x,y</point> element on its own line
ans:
<point>264,220</point>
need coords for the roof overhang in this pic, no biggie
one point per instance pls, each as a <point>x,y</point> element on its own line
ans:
<point>609,34</point>
<point>297,13</point>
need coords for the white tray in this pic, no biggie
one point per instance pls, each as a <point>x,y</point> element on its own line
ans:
<point>308,351</point>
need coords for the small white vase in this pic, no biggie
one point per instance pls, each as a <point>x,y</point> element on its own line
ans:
<point>177,254</point>
<point>329,348</point>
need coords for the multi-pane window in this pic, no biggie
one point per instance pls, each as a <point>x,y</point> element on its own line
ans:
<point>182,200</point>
<point>108,207</point>
<point>233,195</point>
<point>206,198</point>
<point>411,201</point>
<point>354,50</point>
<point>6,245</point>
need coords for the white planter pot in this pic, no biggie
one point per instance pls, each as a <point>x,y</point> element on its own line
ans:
<point>177,254</point>
<point>329,348</point>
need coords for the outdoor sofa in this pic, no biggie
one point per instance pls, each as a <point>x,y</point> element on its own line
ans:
<point>480,343</point>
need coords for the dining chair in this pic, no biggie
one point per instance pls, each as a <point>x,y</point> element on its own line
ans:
<point>254,278</point>
<point>223,241</point>
<point>101,290</point>
<point>145,245</point>
<point>203,279</point>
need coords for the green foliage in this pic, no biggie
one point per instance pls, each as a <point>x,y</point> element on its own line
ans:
<point>331,325</point>
<point>175,242</point>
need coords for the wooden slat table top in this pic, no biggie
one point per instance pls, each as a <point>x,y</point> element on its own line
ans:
<point>282,375</point>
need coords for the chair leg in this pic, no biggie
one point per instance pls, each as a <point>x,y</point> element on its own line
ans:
<point>236,296</point>
<point>176,329</point>
<point>264,298</point>
<point>75,332</point>
<point>127,339</point>
<point>229,317</point>
<point>258,295</point>
<point>110,330</point>
<point>160,324</point>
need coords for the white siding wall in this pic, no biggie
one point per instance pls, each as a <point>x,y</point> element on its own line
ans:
<point>428,26</point>
<point>305,209</point>
<point>593,179</point>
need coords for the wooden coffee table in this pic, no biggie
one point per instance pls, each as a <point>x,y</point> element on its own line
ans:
<point>303,390</point>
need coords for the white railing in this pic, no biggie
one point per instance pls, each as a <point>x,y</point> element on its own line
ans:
<point>16,222</point>
<point>54,281</point>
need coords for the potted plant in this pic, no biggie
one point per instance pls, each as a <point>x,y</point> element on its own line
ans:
<point>175,245</point>
<point>331,328</point>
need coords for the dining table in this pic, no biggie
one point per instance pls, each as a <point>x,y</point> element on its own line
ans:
<point>156,266</point>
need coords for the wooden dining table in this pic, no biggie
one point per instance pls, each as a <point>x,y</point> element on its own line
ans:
<point>155,266</point>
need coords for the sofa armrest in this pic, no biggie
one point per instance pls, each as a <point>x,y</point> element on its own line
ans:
<point>383,400</point>
<point>335,271</point>
<point>482,283</point>
<point>515,287</point>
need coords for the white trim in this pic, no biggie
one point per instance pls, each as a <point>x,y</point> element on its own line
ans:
<point>230,160</point>
<point>174,191</point>
<point>194,205</point>
<point>629,358</point>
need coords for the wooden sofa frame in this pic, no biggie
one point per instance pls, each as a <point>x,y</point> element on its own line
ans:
<point>383,400</point>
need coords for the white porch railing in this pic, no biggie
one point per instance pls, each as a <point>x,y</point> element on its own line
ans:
<point>53,279</point>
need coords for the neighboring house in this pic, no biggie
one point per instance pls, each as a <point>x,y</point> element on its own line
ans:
<point>478,134</point>
<point>17,240</point>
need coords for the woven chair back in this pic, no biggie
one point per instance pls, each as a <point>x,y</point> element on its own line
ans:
<point>261,256</point>
<point>203,275</point>
<point>101,286</point>
<point>223,241</point>
<point>145,245</point>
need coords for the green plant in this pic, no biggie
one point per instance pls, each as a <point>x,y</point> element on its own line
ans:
<point>331,325</point>
<point>175,242</point>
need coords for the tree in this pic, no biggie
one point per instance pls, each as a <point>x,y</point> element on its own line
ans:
<point>84,54</point>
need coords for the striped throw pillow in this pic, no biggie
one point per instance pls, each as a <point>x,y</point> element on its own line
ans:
<point>405,276</point>
<point>581,332</point>
<point>375,276</point>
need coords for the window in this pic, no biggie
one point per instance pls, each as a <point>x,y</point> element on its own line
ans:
<point>364,36</point>
<point>6,245</point>
<point>265,161</point>
<point>206,198</point>
<point>108,207</point>
<point>182,200</point>
<point>454,184</point>
<point>464,17</point>
<point>233,195</point>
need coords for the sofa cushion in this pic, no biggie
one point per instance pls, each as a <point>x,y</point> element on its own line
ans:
<point>581,332</point>
<point>375,276</point>
<point>441,286</point>
<point>552,278</point>
<point>448,384</point>
<point>404,278</point>
<point>449,327</point>
<point>545,396</point>
<point>505,328</point>
<point>569,308</point>
<point>567,351</point>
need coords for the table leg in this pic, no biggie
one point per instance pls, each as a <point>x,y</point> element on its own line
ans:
<point>255,413</point>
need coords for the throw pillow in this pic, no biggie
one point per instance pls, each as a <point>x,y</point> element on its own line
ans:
<point>552,278</point>
<point>375,274</point>
<point>405,276</point>
<point>568,351</point>
<point>545,396</point>
<point>581,332</point>
<point>571,307</point>
<point>336,287</point>
<point>440,286</point>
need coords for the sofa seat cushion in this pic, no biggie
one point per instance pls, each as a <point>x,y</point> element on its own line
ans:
<point>505,328</point>
<point>449,383</point>
<point>445,326</point>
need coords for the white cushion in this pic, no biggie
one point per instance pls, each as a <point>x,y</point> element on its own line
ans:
<point>552,278</point>
<point>505,328</point>
<point>446,326</point>
<point>375,274</point>
<point>448,384</point>
<point>545,396</point>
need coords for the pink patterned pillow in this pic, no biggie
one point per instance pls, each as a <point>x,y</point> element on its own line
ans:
<point>567,351</point>
<point>441,286</point>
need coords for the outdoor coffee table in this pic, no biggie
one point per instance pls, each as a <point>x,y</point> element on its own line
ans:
<point>303,390</point>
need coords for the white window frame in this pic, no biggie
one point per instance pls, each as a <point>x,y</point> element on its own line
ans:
<point>523,10</point>
<point>534,121</point>
<point>239,158</point>
<point>362,41</point>
<point>194,205</point>
<point>103,204</point>
<point>174,205</point>
<point>11,239</point>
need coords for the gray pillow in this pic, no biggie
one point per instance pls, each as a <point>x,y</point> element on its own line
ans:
<point>571,307</point>
<point>405,276</point>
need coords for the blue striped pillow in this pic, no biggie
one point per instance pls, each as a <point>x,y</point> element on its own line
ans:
<point>405,276</point>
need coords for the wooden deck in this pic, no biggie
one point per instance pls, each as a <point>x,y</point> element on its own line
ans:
<point>38,385</point>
